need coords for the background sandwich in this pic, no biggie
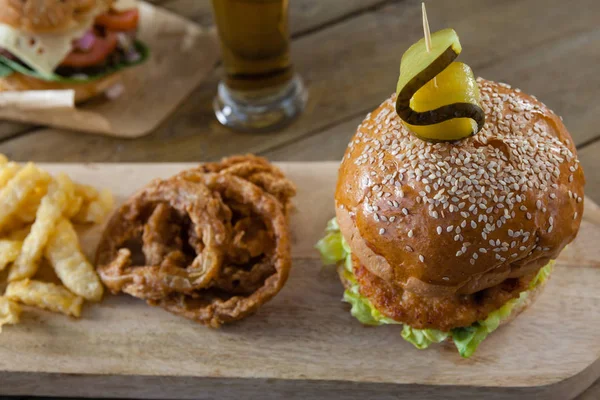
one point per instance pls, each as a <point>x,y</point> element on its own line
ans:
<point>82,45</point>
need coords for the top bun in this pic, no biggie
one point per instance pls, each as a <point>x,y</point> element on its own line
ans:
<point>44,16</point>
<point>456,218</point>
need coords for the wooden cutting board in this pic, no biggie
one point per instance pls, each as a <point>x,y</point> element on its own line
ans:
<point>304,343</point>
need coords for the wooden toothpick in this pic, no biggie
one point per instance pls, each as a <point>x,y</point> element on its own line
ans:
<point>427,34</point>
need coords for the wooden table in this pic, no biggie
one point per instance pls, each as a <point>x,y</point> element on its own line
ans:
<point>348,53</point>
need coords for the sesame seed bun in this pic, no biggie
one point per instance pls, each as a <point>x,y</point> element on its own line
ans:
<point>457,218</point>
<point>44,16</point>
<point>83,91</point>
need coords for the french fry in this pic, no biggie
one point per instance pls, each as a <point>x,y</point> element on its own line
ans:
<point>3,159</point>
<point>7,172</point>
<point>20,234</point>
<point>74,207</point>
<point>9,251</point>
<point>45,295</point>
<point>71,265</point>
<point>9,312</point>
<point>87,192</point>
<point>19,189</point>
<point>50,211</point>
<point>28,210</point>
<point>97,210</point>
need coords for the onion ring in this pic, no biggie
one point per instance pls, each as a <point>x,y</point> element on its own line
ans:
<point>211,244</point>
<point>257,170</point>
<point>240,289</point>
<point>153,220</point>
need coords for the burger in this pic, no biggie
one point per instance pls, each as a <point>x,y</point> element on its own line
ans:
<point>454,239</point>
<point>82,45</point>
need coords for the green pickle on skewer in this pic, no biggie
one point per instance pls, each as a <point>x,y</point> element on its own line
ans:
<point>447,108</point>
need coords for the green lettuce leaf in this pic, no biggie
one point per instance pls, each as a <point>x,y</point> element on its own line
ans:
<point>334,249</point>
<point>422,338</point>
<point>5,71</point>
<point>469,338</point>
<point>363,310</point>
<point>14,66</point>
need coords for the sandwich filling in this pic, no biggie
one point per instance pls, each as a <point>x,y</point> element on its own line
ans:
<point>103,42</point>
<point>334,249</point>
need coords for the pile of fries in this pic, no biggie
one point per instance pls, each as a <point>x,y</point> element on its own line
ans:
<point>37,212</point>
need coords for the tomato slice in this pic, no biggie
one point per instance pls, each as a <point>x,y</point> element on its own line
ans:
<point>102,48</point>
<point>119,21</point>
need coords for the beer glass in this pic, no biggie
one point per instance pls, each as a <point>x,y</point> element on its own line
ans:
<point>260,90</point>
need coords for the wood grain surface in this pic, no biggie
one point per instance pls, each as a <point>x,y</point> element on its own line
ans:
<point>351,65</point>
<point>348,53</point>
<point>181,55</point>
<point>304,339</point>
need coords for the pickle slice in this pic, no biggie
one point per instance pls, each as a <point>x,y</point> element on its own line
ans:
<point>448,109</point>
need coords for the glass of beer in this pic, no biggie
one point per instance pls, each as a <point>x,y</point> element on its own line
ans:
<point>260,90</point>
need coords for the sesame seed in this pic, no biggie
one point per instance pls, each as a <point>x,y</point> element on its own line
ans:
<point>439,230</point>
<point>421,258</point>
<point>410,233</point>
<point>381,231</point>
<point>461,177</point>
<point>409,249</point>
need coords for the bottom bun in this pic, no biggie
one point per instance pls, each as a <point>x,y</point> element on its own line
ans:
<point>533,295</point>
<point>83,91</point>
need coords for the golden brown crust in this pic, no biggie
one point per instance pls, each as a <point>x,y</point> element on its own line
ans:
<point>258,282</point>
<point>83,91</point>
<point>439,219</point>
<point>209,246</point>
<point>41,16</point>
<point>445,313</point>
<point>159,218</point>
<point>257,170</point>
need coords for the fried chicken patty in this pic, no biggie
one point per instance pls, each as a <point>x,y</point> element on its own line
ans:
<point>443,313</point>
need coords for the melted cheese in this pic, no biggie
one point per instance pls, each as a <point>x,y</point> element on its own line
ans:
<point>44,52</point>
<point>123,5</point>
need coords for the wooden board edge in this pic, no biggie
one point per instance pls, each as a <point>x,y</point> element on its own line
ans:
<point>155,387</point>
